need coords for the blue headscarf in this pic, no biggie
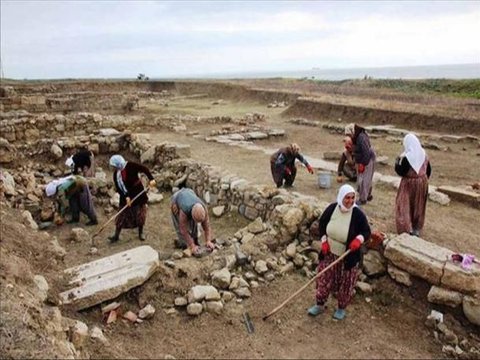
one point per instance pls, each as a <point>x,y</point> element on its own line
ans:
<point>118,162</point>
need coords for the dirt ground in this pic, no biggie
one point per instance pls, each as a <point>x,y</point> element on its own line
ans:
<point>387,324</point>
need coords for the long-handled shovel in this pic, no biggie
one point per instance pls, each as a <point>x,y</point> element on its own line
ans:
<point>115,216</point>
<point>306,285</point>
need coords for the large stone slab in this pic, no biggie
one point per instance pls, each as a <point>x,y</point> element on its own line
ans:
<point>456,278</point>
<point>108,277</point>
<point>461,194</point>
<point>418,257</point>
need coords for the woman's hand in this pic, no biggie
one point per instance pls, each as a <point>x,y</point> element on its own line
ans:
<point>152,183</point>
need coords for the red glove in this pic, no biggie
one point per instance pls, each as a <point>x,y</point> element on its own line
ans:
<point>355,244</point>
<point>288,172</point>
<point>325,248</point>
<point>361,168</point>
<point>309,168</point>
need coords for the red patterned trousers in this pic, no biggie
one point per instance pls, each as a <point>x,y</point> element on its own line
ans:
<point>336,279</point>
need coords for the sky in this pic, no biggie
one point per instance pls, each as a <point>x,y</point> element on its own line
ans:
<point>119,39</point>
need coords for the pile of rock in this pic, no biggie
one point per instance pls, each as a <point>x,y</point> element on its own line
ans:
<point>452,345</point>
<point>277,104</point>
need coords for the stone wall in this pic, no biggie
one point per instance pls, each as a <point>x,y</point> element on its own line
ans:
<point>67,102</point>
<point>290,213</point>
<point>24,126</point>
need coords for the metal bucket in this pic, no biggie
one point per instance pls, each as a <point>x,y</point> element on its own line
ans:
<point>324,179</point>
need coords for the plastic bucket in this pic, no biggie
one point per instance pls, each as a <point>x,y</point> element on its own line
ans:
<point>324,179</point>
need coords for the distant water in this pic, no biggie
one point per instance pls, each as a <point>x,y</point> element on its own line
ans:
<point>460,71</point>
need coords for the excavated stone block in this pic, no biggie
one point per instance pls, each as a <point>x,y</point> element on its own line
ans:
<point>374,263</point>
<point>439,295</point>
<point>399,276</point>
<point>471,309</point>
<point>106,278</point>
<point>461,194</point>
<point>456,278</point>
<point>418,257</point>
<point>203,292</point>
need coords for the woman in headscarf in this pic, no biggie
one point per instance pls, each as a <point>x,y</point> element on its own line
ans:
<point>346,166</point>
<point>342,226</point>
<point>411,202</point>
<point>282,165</point>
<point>128,184</point>
<point>365,159</point>
<point>73,193</point>
<point>82,162</point>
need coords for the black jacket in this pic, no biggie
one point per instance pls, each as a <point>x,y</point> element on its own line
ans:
<point>133,183</point>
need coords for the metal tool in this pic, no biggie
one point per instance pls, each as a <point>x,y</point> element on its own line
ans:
<point>248,323</point>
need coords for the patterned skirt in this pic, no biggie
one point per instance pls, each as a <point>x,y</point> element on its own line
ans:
<point>132,217</point>
<point>411,203</point>
<point>336,279</point>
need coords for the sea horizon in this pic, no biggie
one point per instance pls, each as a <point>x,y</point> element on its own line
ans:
<point>447,71</point>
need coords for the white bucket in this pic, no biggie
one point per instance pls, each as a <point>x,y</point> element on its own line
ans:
<point>324,179</point>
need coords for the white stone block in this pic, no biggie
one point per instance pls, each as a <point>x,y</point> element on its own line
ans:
<point>106,278</point>
<point>439,295</point>
<point>202,292</point>
<point>418,257</point>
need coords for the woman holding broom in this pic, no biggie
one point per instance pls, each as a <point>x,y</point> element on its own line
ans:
<point>128,184</point>
<point>342,226</point>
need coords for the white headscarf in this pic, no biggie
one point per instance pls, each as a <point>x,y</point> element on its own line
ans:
<point>350,129</point>
<point>118,162</point>
<point>69,162</point>
<point>342,192</point>
<point>413,151</point>
<point>52,186</point>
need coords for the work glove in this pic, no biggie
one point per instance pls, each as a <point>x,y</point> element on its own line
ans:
<point>361,168</point>
<point>288,172</point>
<point>325,248</point>
<point>309,168</point>
<point>152,183</point>
<point>129,202</point>
<point>325,245</point>
<point>355,244</point>
<point>339,179</point>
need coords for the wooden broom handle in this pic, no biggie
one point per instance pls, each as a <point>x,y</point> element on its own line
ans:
<point>306,285</point>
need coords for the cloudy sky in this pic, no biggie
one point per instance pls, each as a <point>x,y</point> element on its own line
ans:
<point>103,39</point>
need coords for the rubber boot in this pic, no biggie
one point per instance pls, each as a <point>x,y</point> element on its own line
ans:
<point>339,314</point>
<point>141,235</point>
<point>115,237</point>
<point>316,310</point>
